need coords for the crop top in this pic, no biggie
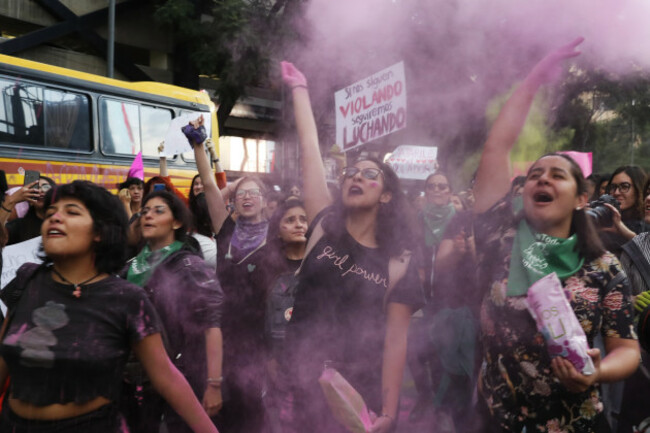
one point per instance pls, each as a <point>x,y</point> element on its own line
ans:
<point>63,349</point>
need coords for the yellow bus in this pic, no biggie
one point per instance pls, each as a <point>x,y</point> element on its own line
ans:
<point>73,125</point>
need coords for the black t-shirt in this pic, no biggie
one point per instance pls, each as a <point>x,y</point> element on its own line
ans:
<point>244,281</point>
<point>25,228</point>
<point>454,288</point>
<point>62,349</point>
<point>339,312</point>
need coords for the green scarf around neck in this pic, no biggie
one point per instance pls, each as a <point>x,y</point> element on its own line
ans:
<point>436,218</point>
<point>535,255</point>
<point>146,261</point>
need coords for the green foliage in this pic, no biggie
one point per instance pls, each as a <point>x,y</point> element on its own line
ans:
<point>232,40</point>
<point>538,137</point>
<point>610,115</point>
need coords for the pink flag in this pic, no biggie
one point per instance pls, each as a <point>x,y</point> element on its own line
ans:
<point>137,169</point>
<point>584,160</point>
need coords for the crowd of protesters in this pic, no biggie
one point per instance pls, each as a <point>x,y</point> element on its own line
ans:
<point>220,310</point>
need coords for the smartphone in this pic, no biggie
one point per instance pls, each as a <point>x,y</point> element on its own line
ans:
<point>159,187</point>
<point>32,176</point>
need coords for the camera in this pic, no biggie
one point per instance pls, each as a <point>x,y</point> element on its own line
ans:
<point>600,214</point>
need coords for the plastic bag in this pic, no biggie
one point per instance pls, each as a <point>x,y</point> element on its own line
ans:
<point>345,402</point>
<point>556,320</point>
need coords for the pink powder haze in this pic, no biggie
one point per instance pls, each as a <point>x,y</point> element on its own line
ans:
<point>459,54</point>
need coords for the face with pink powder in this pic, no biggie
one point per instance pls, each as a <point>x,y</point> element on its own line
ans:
<point>362,186</point>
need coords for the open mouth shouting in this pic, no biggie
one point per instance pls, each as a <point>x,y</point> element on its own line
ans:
<point>542,197</point>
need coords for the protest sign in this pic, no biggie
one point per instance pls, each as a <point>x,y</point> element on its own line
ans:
<point>371,108</point>
<point>175,141</point>
<point>584,160</point>
<point>16,255</point>
<point>414,162</point>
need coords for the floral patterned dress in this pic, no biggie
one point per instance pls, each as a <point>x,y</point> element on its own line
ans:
<point>516,379</point>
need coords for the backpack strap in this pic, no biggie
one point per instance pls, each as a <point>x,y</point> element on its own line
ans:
<point>638,258</point>
<point>397,267</point>
<point>616,280</point>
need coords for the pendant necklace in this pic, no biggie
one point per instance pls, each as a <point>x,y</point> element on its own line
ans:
<point>77,287</point>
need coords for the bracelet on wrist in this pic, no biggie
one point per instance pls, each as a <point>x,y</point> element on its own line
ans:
<point>215,160</point>
<point>4,208</point>
<point>299,86</point>
<point>215,381</point>
<point>385,415</point>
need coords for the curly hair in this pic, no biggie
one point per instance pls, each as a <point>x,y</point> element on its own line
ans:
<point>110,222</point>
<point>394,219</point>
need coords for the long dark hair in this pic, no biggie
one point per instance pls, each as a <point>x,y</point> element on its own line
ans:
<point>638,177</point>
<point>589,245</point>
<point>109,221</point>
<point>273,235</point>
<point>179,211</point>
<point>394,219</point>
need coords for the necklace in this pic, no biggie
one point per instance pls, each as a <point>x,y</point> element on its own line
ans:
<point>77,287</point>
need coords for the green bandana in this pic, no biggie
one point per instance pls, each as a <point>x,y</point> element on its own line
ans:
<point>146,261</point>
<point>436,219</point>
<point>537,255</point>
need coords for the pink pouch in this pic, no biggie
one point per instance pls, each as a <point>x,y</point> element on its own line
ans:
<point>345,402</point>
<point>558,323</point>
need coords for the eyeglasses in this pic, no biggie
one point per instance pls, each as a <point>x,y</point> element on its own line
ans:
<point>252,193</point>
<point>45,187</point>
<point>438,186</point>
<point>368,173</point>
<point>158,210</point>
<point>623,187</point>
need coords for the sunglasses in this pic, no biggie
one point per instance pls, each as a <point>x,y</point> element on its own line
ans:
<point>252,193</point>
<point>438,186</point>
<point>45,187</point>
<point>367,173</point>
<point>158,210</point>
<point>623,187</point>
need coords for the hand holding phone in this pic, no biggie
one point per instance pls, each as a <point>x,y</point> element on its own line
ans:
<point>32,176</point>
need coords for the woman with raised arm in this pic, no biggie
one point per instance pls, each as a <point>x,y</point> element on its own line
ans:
<point>522,386</point>
<point>349,311</point>
<point>72,323</point>
<point>242,270</point>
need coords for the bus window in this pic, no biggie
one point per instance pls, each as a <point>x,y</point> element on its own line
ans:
<point>67,120</point>
<point>21,113</point>
<point>120,127</point>
<point>155,123</point>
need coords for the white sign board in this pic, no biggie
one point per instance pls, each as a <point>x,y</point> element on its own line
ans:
<point>16,255</point>
<point>371,108</point>
<point>414,162</point>
<point>175,141</point>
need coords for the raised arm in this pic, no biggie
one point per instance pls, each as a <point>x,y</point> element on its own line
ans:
<point>493,175</point>
<point>213,196</point>
<point>316,193</point>
<point>163,160</point>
